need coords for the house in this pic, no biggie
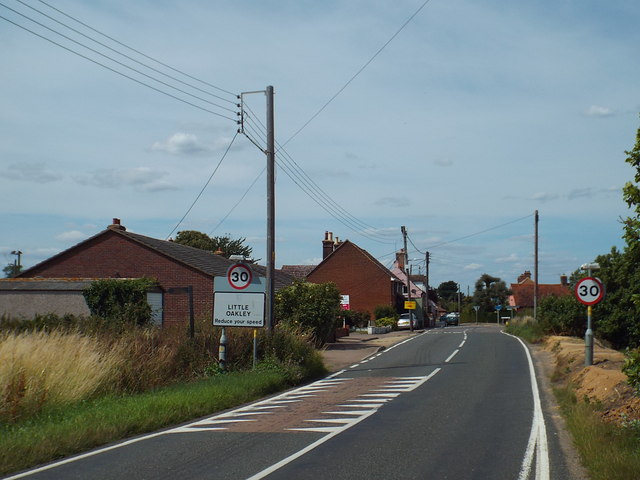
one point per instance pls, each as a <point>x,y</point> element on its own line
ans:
<point>118,253</point>
<point>425,313</point>
<point>522,291</point>
<point>357,274</point>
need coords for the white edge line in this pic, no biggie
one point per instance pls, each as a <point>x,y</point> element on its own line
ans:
<point>538,430</point>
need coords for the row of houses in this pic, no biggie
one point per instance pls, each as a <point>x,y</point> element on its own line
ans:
<point>55,285</point>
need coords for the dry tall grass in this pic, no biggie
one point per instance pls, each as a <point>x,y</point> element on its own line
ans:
<point>53,368</point>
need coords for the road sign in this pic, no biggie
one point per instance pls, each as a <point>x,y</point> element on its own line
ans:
<point>239,276</point>
<point>409,305</point>
<point>344,302</point>
<point>233,309</point>
<point>589,290</point>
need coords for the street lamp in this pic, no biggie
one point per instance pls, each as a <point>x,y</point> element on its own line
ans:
<point>588,336</point>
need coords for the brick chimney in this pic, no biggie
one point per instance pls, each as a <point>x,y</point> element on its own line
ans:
<point>564,281</point>
<point>327,245</point>
<point>400,257</point>
<point>526,275</point>
<point>116,225</point>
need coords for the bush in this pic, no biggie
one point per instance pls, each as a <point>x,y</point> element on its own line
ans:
<point>355,318</point>
<point>309,307</point>
<point>382,311</point>
<point>631,368</point>
<point>121,301</point>
<point>387,322</point>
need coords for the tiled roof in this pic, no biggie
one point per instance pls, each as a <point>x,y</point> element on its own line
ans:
<point>206,262</point>
<point>364,253</point>
<point>298,271</point>
<point>522,295</point>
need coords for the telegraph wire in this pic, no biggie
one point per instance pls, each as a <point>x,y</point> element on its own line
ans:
<point>204,187</point>
<point>314,187</point>
<point>335,212</point>
<point>127,56</point>
<point>109,58</point>
<point>326,104</point>
<point>238,202</point>
<point>137,51</point>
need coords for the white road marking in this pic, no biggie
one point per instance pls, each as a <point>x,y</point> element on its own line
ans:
<point>455,352</point>
<point>538,443</point>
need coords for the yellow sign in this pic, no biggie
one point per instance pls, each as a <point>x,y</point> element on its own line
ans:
<point>409,305</point>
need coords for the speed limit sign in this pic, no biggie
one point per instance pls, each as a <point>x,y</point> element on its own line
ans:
<point>239,276</point>
<point>589,290</point>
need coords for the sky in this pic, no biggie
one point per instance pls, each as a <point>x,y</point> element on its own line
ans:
<point>457,119</point>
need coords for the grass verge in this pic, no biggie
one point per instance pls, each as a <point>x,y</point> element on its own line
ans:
<point>608,452</point>
<point>62,431</point>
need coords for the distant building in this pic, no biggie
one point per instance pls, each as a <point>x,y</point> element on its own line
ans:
<point>522,292</point>
<point>357,274</point>
<point>117,253</point>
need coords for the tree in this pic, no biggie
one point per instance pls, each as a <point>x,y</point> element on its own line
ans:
<point>313,307</point>
<point>448,291</point>
<point>225,244</point>
<point>11,270</point>
<point>490,291</point>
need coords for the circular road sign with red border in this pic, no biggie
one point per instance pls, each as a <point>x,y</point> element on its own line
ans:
<point>589,290</point>
<point>239,276</point>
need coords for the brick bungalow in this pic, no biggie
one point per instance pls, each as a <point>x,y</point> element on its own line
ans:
<point>522,292</point>
<point>357,274</point>
<point>117,253</point>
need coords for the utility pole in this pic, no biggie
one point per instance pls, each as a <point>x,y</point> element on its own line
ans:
<point>426,285</point>
<point>407,273</point>
<point>271,210</point>
<point>535,270</point>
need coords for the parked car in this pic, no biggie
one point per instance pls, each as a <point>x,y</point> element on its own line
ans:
<point>403,322</point>
<point>452,318</point>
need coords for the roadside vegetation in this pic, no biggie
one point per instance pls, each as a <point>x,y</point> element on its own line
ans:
<point>609,450</point>
<point>69,383</point>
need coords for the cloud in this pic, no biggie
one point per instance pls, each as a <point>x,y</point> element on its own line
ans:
<point>598,111</point>
<point>71,236</point>
<point>543,197</point>
<point>141,178</point>
<point>396,202</point>
<point>473,266</point>
<point>444,162</point>
<point>30,172</point>
<point>182,144</point>
<point>509,259</point>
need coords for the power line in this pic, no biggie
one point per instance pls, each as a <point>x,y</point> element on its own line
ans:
<point>335,210</point>
<point>125,55</point>
<point>204,187</point>
<point>312,189</point>
<point>114,60</point>
<point>326,104</point>
<point>137,51</point>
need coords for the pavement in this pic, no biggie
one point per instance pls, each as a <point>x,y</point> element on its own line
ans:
<point>355,347</point>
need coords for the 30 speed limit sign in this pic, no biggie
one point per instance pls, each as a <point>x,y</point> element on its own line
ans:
<point>589,290</point>
<point>239,276</point>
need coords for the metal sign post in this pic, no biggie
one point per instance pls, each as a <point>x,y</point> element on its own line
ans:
<point>589,291</point>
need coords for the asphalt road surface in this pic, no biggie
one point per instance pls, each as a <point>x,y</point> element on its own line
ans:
<point>453,403</point>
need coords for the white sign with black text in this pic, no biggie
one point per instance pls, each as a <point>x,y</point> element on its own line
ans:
<point>231,309</point>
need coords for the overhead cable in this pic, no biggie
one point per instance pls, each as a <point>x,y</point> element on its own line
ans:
<point>112,59</point>
<point>137,51</point>
<point>128,56</point>
<point>326,104</point>
<point>204,187</point>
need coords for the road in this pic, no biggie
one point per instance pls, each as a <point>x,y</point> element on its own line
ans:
<point>454,403</point>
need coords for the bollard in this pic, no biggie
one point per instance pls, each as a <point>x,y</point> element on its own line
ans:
<point>222,351</point>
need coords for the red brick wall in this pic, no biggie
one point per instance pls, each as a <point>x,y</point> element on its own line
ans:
<point>355,275</point>
<point>112,255</point>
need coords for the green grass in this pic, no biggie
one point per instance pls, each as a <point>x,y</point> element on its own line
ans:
<point>608,452</point>
<point>58,432</point>
<point>530,331</point>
